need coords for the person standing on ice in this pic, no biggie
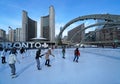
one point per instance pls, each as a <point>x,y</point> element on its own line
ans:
<point>12,60</point>
<point>48,53</point>
<point>13,51</point>
<point>38,52</point>
<point>3,56</point>
<point>63,52</point>
<point>22,51</point>
<point>76,54</point>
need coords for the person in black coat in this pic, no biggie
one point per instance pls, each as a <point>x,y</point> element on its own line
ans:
<point>22,51</point>
<point>38,52</point>
<point>63,52</point>
<point>13,51</point>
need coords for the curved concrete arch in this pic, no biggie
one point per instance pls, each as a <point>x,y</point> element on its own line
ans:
<point>97,24</point>
<point>108,17</point>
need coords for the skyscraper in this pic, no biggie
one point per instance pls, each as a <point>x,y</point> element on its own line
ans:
<point>11,34</point>
<point>18,33</point>
<point>48,25</point>
<point>52,23</point>
<point>2,35</point>
<point>29,27</point>
<point>45,27</point>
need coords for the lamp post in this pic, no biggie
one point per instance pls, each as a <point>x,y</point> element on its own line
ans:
<point>10,35</point>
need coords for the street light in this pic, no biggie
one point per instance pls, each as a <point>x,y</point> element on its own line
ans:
<point>11,37</point>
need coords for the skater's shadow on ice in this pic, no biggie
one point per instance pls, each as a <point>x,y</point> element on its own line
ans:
<point>25,68</point>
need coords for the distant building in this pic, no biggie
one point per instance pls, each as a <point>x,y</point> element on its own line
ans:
<point>65,38</point>
<point>108,33</point>
<point>79,36</point>
<point>48,25</point>
<point>11,35</point>
<point>2,35</point>
<point>90,36</point>
<point>18,32</point>
<point>29,27</point>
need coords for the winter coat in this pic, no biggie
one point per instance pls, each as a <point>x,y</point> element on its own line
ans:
<point>3,53</point>
<point>77,53</point>
<point>13,51</point>
<point>63,50</point>
<point>48,53</point>
<point>12,59</point>
<point>37,54</point>
<point>22,50</point>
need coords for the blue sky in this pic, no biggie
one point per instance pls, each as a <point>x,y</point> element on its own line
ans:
<point>65,10</point>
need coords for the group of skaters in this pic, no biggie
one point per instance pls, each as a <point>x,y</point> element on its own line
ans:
<point>39,55</point>
<point>76,54</point>
<point>12,59</point>
<point>49,52</point>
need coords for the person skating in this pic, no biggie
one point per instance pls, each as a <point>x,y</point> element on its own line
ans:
<point>63,52</point>
<point>12,60</point>
<point>13,51</point>
<point>38,52</point>
<point>76,55</point>
<point>3,56</point>
<point>22,51</point>
<point>48,53</point>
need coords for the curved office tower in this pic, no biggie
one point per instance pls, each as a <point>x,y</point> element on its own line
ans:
<point>45,27</point>
<point>29,27</point>
<point>48,25</point>
<point>52,23</point>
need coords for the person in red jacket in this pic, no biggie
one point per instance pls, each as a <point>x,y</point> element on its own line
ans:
<point>76,54</point>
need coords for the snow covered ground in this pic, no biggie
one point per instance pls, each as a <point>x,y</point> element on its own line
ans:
<point>96,66</point>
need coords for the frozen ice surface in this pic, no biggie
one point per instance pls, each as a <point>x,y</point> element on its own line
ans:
<point>95,66</point>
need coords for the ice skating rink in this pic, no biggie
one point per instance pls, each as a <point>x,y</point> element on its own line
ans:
<point>95,66</point>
